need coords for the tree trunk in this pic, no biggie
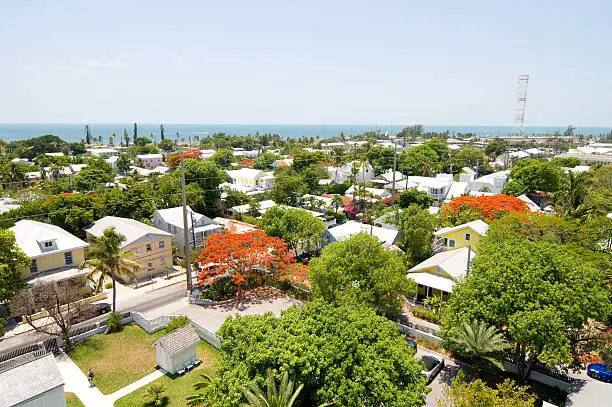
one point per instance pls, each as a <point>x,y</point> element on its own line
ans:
<point>67,343</point>
<point>114,293</point>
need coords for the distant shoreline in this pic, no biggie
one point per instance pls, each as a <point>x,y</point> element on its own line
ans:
<point>75,131</point>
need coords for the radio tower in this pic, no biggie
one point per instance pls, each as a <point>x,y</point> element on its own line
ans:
<point>521,101</point>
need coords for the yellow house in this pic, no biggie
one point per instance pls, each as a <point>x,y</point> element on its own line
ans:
<point>151,247</point>
<point>439,274</point>
<point>467,234</point>
<point>51,248</point>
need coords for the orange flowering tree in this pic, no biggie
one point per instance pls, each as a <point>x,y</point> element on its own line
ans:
<point>175,159</point>
<point>247,258</point>
<point>468,208</point>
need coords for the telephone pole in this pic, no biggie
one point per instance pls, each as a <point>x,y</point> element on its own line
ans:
<point>186,247</point>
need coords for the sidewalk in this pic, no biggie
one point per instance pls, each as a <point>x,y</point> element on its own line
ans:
<point>76,382</point>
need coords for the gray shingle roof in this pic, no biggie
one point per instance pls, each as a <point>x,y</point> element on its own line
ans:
<point>29,378</point>
<point>178,340</point>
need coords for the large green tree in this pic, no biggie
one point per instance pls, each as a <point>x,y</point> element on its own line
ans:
<point>540,295</point>
<point>416,226</point>
<point>12,259</point>
<point>342,354</point>
<point>531,175</point>
<point>207,177</point>
<point>288,187</point>
<point>298,228</point>
<point>421,160</point>
<point>264,161</point>
<point>360,269</point>
<point>223,158</point>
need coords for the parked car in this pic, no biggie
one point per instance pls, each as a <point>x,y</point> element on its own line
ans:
<point>434,364</point>
<point>102,308</point>
<point>411,343</point>
<point>599,371</point>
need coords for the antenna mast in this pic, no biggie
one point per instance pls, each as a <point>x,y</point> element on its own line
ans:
<point>521,101</point>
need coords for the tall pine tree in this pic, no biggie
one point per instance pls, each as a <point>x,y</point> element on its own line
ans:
<point>161,131</point>
<point>135,135</point>
<point>125,136</point>
<point>87,135</point>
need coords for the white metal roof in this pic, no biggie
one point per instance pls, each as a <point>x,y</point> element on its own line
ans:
<point>130,228</point>
<point>457,189</point>
<point>246,173</point>
<point>428,181</point>
<point>147,156</point>
<point>453,262</point>
<point>174,216</point>
<point>30,236</point>
<point>479,226</point>
<point>351,228</point>
<point>433,281</point>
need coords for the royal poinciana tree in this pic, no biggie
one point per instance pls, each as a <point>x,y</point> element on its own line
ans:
<point>175,159</point>
<point>468,208</point>
<point>247,254</point>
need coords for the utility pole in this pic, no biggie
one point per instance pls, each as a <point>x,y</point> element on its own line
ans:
<point>193,230</point>
<point>185,223</point>
<point>394,170</point>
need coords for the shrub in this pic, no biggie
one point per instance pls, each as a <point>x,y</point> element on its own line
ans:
<point>108,285</point>
<point>114,323</point>
<point>426,314</point>
<point>155,393</point>
<point>176,323</point>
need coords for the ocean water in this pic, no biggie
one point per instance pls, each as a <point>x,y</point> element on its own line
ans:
<point>76,132</point>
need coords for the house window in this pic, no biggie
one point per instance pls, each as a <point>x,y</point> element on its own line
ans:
<point>48,244</point>
<point>451,243</point>
<point>162,244</point>
<point>468,236</point>
<point>33,266</point>
<point>68,257</point>
<point>150,265</point>
<point>149,247</point>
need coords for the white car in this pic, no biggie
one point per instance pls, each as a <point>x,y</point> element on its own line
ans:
<point>433,364</point>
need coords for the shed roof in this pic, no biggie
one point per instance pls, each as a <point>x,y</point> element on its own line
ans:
<point>178,340</point>
<point>26,377</point>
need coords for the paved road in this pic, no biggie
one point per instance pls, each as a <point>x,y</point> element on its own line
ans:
<point>170,297</point>
<point>589,392</point>
<point>445,377</point>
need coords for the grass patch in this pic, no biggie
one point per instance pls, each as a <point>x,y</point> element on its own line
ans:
<point>178,388</point>
<point>117,359</point>
<point>73,401</point>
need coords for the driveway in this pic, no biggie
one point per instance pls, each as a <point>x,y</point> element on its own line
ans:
<point>589,392</point>
<point>445,377</point>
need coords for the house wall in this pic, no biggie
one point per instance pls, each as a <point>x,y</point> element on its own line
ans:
<point>158,257</point>
<point>459,237</point>
<point>151,162</point>
<point>55,260</point>
<point>422,291</point>
<point>163,360</point>
<point>52,398</point>
<point>180,360</point>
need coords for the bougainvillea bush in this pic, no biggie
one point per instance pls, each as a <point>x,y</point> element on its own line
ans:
<point>248,259</point>
<point>468,208</point>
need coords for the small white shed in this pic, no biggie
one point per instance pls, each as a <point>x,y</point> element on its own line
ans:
<point>177,350</point>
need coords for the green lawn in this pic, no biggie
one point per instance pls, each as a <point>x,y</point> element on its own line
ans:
<point>177,389</point>
<point>73,401</point>
<point>117,359</point>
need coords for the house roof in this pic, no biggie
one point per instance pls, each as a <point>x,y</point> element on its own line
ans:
<point>26,377</point>
<point>132,229</point>
<point>351,228</point>
<point>388,176</point>
<point>457,189</point>
<point>178,340</point>
<point>453,262</point>
<point>479,226</point>
<point>263,206</point>
<point>30,234</point>
<point>174,216</point>
<point>433,281</point>
<point>247,173</point>
<point>428,181</point>
<point>149,156</point>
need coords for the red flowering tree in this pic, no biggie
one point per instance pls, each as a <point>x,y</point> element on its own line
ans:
<point>247,256</point>
<point>175,159</point>
<point>467,208</point>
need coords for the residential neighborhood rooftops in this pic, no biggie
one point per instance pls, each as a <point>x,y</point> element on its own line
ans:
<point>26,377</point>
<point>149,156</point>
<point>178,340</point>
<point>174,216</point>
<point>31,236</point>
<point>130,228</point>
<point>479,226</point>
<point>245,173</point>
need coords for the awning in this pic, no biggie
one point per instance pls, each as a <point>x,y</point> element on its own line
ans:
<point>430,280</point>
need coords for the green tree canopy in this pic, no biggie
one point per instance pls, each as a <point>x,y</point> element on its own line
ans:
<point>416,226</point>
<point>344,354</point>
<point>495,148</point>
<point>298,228</point>
<point>288,187</point>
<point>223,158</point>
<point>416,197</point>
<point>538,294</point>
<point>421,160</point>
<point>207,177</point>
<point>359,268</point>
<point>531,175</point>
<point>264,161</point>
<point>12,259</point>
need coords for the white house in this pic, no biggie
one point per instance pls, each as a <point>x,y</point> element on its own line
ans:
<point>176,351</point>
<point>249,180</point>
<point>438,274</point>
<point>150,161</point>
<point>31,380</point>
<point>243,209</point>
<point>437,187</point>
<point>351,228</point>
<point>494,182</point>
<point>102,152</point>
<point>199,226</point>
<point>8,204</point>
<point>345,172</point>
<point>374,193</point>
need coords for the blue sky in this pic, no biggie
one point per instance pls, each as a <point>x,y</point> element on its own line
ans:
<point>314,62</point>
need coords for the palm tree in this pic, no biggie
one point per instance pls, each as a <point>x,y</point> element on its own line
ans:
<point>107,259</point>
<point>282,396</point>
<point>12,175</point>
<point>478,339</point>
<point>569,200</point>
<point>337,202</point>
